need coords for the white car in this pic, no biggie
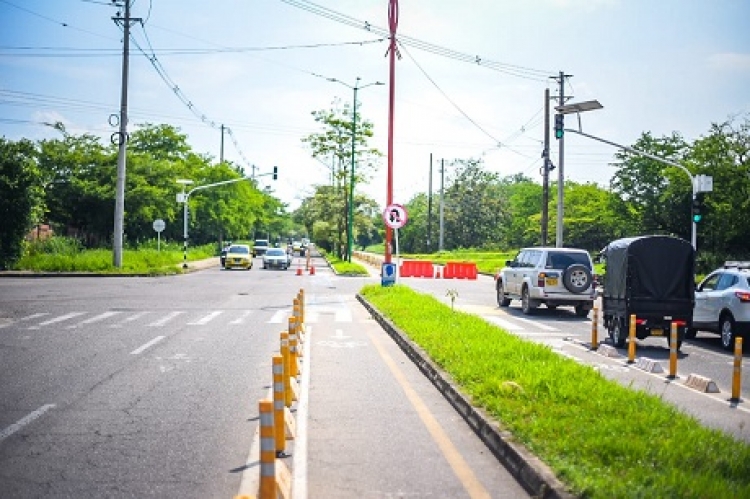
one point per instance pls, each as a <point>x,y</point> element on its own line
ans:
<point>550,276</point>
<point>276,258</point>
<point>722,303</point>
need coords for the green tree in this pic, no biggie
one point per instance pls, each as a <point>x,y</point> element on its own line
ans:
<point>334,145</point>
<point>21,197</point>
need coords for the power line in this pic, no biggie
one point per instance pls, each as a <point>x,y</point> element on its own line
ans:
<point>510,69</point>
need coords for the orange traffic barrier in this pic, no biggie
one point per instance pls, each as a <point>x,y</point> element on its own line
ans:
<point>460,270</point>
<point>416,268</point>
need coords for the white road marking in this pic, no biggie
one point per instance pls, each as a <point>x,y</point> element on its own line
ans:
<point>129,319</point>
<point>10,430</point>
<point>165,319</point>
<point>279,316</point>
<point>299,473</point>
<point>97,318</point>
<point>57,319</point>
<point>241,319</point>
<point>205,320</point>
<point>537,325</point>
<point>27,318</point>
<point>144,347</point>
<point>502,323</point>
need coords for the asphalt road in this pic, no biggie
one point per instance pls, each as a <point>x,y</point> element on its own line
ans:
<point>149,387</point>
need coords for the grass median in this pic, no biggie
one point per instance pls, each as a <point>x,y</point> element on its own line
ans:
<point>602,439</point>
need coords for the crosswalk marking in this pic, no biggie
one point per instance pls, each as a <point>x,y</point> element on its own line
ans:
<point>27,318</point>
<point>241,319</point>
<point>208,318</point>
<point>165,319</point>
<point>129,319</point>
<point>57,319</point>
<point>94,319</point>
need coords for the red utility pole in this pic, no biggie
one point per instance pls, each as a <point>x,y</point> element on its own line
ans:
<point>393,24</point>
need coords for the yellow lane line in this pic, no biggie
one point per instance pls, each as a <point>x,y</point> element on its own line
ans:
<point>462,470</point>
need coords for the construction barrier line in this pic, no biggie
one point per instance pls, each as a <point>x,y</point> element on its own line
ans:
<point>278,404</point>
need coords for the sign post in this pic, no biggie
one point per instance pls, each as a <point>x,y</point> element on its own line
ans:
<point>395,217</point>
<point>159,226</point>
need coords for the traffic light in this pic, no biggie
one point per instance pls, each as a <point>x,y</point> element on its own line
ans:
<point>559,126</point>
<point>698,207</point>
<point>275,172</point>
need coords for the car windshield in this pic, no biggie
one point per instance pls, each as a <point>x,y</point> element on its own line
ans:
<point>239,250</point>
<point>276,252</point>
<point>563,260</point>
<point>261,243</point>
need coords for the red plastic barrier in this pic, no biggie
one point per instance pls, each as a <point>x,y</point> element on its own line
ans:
<point>416,268</point>
<point>460,270</point>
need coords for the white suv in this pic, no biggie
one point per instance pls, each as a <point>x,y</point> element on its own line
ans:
<point>549,276</point>
<point>722,303</point>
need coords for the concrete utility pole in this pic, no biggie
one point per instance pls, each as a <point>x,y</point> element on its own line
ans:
<point>546,169</point>
<point>221,151</point>
<point>560,169</point>
<point>442,202</point>
<point>429,208</point>
<point>122,140</point>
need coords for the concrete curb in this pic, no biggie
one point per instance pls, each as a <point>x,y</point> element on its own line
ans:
<point>533,474</point>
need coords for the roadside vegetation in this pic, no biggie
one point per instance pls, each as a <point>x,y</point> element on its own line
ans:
<point>602,439</point>
<point>60,254</point>
<point>342,267</point>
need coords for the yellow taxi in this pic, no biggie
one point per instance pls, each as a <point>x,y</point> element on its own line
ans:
<point>239,256</point>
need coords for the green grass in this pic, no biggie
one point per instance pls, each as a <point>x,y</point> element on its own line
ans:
<point>66,255</point>
<point>602,439</point>
<point>343,267</point>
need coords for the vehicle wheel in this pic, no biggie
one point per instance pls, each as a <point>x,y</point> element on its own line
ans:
<point>527,304</point>
<point>577,278</point>
<point>502,300</point>
<point>618,333</point>
<point>690,333</point>
<point>582,311</point>
<point>726,328</point>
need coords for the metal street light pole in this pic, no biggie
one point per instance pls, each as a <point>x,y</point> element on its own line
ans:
<point>693,236</point>
<point>350,225</point>
<point>563,109</point>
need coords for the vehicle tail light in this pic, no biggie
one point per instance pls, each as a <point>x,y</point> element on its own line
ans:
<point>680,323</point>
<point>540,280</point>
<point>640,322</point>
<point>743,296</point>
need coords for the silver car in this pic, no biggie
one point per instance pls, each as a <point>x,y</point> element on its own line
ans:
<point>550,276</point>
<point>722,303</point>
<point>276,258</point>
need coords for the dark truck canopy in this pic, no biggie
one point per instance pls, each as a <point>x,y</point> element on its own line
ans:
<point>653,268</point>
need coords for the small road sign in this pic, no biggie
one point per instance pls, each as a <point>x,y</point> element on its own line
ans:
<point>159,225</point>
<point>395,216</point>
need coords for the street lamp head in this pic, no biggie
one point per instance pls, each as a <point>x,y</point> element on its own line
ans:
<point>184,181</point>
<point>579,107</point>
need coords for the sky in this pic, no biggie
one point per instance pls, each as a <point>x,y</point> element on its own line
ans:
<point>469,83</point>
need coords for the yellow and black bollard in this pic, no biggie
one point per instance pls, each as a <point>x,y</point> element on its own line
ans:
<point>594,328</point>
<point>631,340</point>
<point>737,371</point>
<point>673,352</point>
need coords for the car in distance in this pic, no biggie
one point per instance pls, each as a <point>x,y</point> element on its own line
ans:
<point>550,276</point>
<point>297,246</point>
<point>238,256</point>
<point>260,246</point>
<point>722,303</point>
<point>276,258</point>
